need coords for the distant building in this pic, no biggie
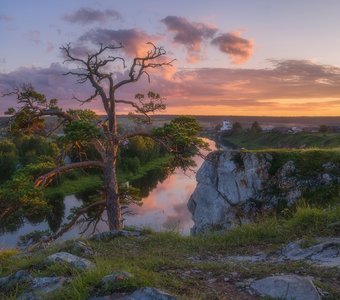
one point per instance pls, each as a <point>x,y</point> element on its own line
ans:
<point>226,125</point>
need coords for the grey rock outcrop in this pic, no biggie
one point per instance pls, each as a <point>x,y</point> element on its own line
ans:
<point>67,258</point>
<point>224,181</point>
<point>233,186</point>
<point>286,287</point>
<point>326,252</point>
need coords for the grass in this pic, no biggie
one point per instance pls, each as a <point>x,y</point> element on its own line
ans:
<point>161,259</point>
<point>265,140</point>
<point>308,161</point>
<point>79,182</point>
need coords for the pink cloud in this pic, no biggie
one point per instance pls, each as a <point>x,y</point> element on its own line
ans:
<point>189,34</point>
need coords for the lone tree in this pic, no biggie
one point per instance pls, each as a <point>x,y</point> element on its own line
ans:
<point>179,137</point>
<point>255,127</point>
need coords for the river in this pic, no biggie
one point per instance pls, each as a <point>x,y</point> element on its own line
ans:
<point>164,208</point>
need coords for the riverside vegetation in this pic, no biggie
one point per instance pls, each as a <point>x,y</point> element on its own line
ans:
<point>220,265</point>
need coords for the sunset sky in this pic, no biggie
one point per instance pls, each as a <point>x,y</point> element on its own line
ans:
<point>245,57</point>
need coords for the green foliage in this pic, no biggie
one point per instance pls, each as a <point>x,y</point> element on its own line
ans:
<point>24,123</point>
<point>8,159</point>
<point>180,137</point>
<point>34,149</point>
<point>139,150</point>
<point>19,198</point>
<point>80,130</point>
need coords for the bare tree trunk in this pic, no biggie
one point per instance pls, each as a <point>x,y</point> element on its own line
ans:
<point>113,205</point>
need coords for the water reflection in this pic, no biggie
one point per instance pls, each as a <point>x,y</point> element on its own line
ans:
<point>165,198</point>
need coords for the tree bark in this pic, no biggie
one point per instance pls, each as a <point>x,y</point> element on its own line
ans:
<point>113,206</point>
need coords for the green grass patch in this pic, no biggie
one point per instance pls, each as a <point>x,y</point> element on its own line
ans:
<point>265,140</point>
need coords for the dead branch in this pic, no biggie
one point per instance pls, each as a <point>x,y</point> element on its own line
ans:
<point>46,179</point>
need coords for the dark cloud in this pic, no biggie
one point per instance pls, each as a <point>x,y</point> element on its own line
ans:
<point>189,34</point>
<point>133,40</point>
<point>90,15</point>
<point>49,81</point>
<point>239,49</point>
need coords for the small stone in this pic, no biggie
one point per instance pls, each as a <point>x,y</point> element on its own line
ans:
<point>235,274</point>
<point>70,259</point>
<point>212,280</point>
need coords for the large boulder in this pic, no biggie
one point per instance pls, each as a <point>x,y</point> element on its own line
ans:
<point>224,181</point>
<point>286,287</point>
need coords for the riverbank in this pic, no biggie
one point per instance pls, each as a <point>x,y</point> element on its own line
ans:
<point>266,140</point>
<point>89,183</point>
<point>194,267</point>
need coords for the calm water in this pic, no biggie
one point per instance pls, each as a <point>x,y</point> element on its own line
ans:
<point>164,207</point>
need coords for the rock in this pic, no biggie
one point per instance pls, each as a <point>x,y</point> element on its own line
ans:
<point>325,253</point>
<point>46,285</point>
<point>41,286</point>
<point>115,233</point>
<point>20,277</point>
<point>248,258</point>
<point>224,180</point>
<point>233,187</point>
<point>149,293</point>
<point>286,287</point>
<point>67,258</point>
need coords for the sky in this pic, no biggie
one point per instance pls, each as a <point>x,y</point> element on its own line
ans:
<point>245,57</point>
